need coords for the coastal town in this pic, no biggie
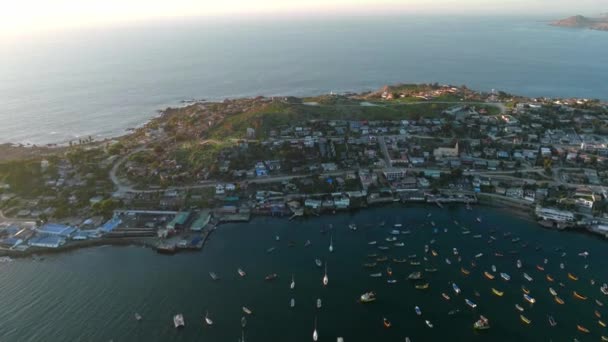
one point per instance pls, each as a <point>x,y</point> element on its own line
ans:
<point>169,183</point>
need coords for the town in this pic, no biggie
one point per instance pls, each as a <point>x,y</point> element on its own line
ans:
<point>171,182</point>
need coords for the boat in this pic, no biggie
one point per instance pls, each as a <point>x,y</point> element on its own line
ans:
<point>137,317</point>
<point>498,293</point>
<point>549,278</point>
<point>505,276</point>
<point>367,297</point>
<point>370,264</point>
<point>415,276</point>
<point>315,334</point>
<point>178,321</point>
<point>325,278</point>
<point>515,240</point>
<point>525,289</point>
<point>519,308</point>
<point>243,321</point>
<point>599,303</point>
<point>371,243</point>
<point>561,265</point>
<point>584,254</point>
<point>559,300</point>
<point>597,314</point>
<point>214,276</point>
<point>426,248</point>
<point>572,277</point>
<point>604,338</point>
<point>376,275</point>
<point>464,271</point>
<point>552,291</point>
<point>389,271</point>
<point>430,270</point>
<point>456,288</point>
<point>391,239</point>
<point>422,286</point>
<point>447,261</point>
<point>525,319</point>
<point>277,238</point>
<point>582,329</point>
<point>247,310</point>
<point>241,272</point>
<point>386,322</point>
<point>433,253</point>
<point>481,324</point>
<point>383,248</point>
<point>552,321</point>
<point>488,275</point>
<point>518,263</point>
<point>478,255</point>
<point>307,243</point>
<point>445,296</point>
<point>418,311</point>
<point>399,244</point>
<point>391,281</point>
<point>529,299</point>
<point>477,236</point>
<point>292,303</point>
<point>319,303</point>
<point>428,323</point>
<point>395,231</point>
<point>527,276</point>
<point>318,262</point>
<point>382,259</point>
<point>493,268</point>
<point>455,251</point>
<point>478,219</point>
<point>470,303</point>
<point>352,226</point>
<point>270,250</point>
<point>271,277</point>
<point>397,225</point>
<point>602,324</point>
<point>540,268</point>
<point>604,289</point>
<point>400,261</point>
<point>293,283</point>
<point>331,244</point>
<point>208,320</point>
<point>578,296</point>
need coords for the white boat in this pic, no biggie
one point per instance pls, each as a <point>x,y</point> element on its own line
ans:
<point>527,276</point>
<point>247,310</point>
<point>137,317</point>
<point>519,263</point>
<point>207,319</point>
<point>376,275</point>
<point>470,303</point>
<point>397,225</point>
<point>178,321</point>
<point>493,268</point>
<point>277,238</point>
<point>241,272</point>
<point>455,251</point>
<point>292,303</point>
<point>479,255</point>
<point>561,265</point>
<point>505,276</point>
<point>352,226</point>
<point>372,242</point>
<point>391,239</point>
<point>293,283</point>
<point>331,243</point>
<point>319,303</point>
<point>399,244</point>
<point>340,339</point>
<point>325,278</point>
<point>428,323</point>
<point>447,261</point>
<point>318,262</point>
<point>584,254</point>
<point>214,276</point>
<point>315,335</point>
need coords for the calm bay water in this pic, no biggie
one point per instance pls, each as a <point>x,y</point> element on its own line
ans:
<point>91,295</point>
<point>61,86</point>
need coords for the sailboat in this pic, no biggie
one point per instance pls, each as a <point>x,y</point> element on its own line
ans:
<point>207,319</point>
<point>331,244</point>
<point>293,283</point>
<point>325,279</point>
<point>315,335</point>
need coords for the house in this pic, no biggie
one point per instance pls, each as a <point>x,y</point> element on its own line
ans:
<point>446,152</point>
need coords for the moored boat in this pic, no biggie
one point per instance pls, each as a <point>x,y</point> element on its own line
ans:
<point>552,321</point>
<point>214,276</point>
<point>376,275</point>
<point>428,323</point>
<point>178,321</point>
<point>572,276</point>
<point>497,292</point>
<point>579,296</point>
<point>367,297</point>
<point>552,291</point>
<point>519,308</point>
<point>464,271</point>
<point>415,276</point>
<point>418,311</point>
<point>470,303</point>
<point>525,319</point>
<point>549,278</point>
<point>208,320</point>
<point>488,275</point>
<point>602,324</point>
<point>318,262</point>
<point>518,263</point>
<point>370,264</point>
<point>386,322</point>
<point>271,277</point>
<point>422,286</point>
<point>456,288</point>
<point>445,296</point>
<point>582,329</point>
<point>241,272</point>
<point>540,268</point>
<point>529,299</point>
<point>527,276</point>
<point>481,324</point>
<point>319,303</point>
<point>505,276</point>
<point>247,310</point>
<point>525,289</point>
<point>559,300</point>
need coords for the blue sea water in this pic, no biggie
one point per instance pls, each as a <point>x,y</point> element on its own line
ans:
<point>61,85</point>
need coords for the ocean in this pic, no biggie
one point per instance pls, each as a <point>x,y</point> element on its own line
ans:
<point>60,86</point>
<point>92,294</point>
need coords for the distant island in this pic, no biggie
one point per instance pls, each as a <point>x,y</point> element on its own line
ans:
<point>579,21</point>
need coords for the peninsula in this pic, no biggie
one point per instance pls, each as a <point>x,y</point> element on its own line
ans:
<point>579,21</point>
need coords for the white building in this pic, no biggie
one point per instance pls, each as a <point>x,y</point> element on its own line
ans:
<point>554,214</point>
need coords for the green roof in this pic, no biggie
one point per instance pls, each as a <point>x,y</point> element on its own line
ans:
<point>180,219</point>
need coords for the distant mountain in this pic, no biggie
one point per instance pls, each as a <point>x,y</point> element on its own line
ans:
<point>579,21</point>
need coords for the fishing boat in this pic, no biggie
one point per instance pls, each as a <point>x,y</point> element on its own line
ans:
<point>418,311</point>
<point>391,281</point>
<point>372,242</point>
<point>447,261</point>
<point>529,299</point>
<point>602,324</point>
<point>370,264</point>
<point>307,243</point>
<point>478,255</point>
<point>470,303</point>
<point>527,276</point>
<point>208,320</point>
<point>318,262</point>
<point>552,291</point>
<point>271,277</point>
<point>319,303</point>
<point>389,271</point>
<point>376,275</point>
<point>445,296</point>
<point>493,268</point>
<point>325,278</point>
<point>386,322</point>
<point>383,248</point>
<point>582,329</point>
<point>549,278</point>
<point>367,297</point>
<point>552,321</point>
<point>270,250</point>
<point>464,271</point>
<point>572,277</point>
<point>382,259</point>
<point>498,293</point>
<point>519,308</point>
<point>518,263</point>
<point>433,253</point>
<point>559,300</point>
<point>293,283</point>
<point>525,319</point>
<point>422,286</point>
<point>455,251</point>
<point>540,268</point>
<point>243,321</point>
<point>599,303</point>
<point>505,276</point>
<point>578,296</point>
<point>488,275</point>
<point>315,334</point>
<point>415,263</point>
<point>400,261</point>
<point>415,276</point>
<point>481,324</point>
<point>399,244</point>
<point>214,276</point>
<point>241,272</point>
<point>178,321</point>
<point>247,310</point>
<point>292,303</point>
<point>331,244</point>
<point>428,323</point>
<point>137,317</point>
<point>525,289</point>
<point>456,288</point>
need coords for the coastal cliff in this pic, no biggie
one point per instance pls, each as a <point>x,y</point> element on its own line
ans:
<point>579,21</point>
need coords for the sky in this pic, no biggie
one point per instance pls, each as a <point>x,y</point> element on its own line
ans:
<point>18,16</point>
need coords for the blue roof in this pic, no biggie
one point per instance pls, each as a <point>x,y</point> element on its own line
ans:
<point>110,225</point>
<point>56,229</point>
<point>47,239</point>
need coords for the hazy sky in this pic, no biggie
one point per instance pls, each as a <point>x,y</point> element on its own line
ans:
<point>26,15</point>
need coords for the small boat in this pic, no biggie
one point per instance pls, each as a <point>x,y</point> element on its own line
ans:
<point>493,268</point>
<point>498,293</point>
<point>386,322</point>
<point>481,324</point>
<point>271,277</point>
<point>445,296</point>
<point>572,277</point>
<point>578,296</point>
<point>434,253</point>
<point>367,297</point>
<point>382,259</point>
<point>477,236</point>
<point>426,248</point>
<point>307,243</point>
<point>599,303</point>
<point>325,278</point>
<point>178,321</point>
<point>399,244</point>
<point>559,300</point>
<point>270,250</point>
<point>515,240</point>
<point>488,275</point>
<point>247,310</point>
<point>430,270</point>
<point>464,271</point>
<point>529,299</point>
<point>525,319</point>
<point>428,324</point>
<point>525,289</point>
<point>400,261</point>
<point>470,303</point>
<point>376,275</point>
<point>318,262</point>
<point>391,239</point>
<point>315,334</point>
<point>370,264</point>
<point>415,276</point>
<point>372,242</point>
<point>582,329</point>
<point>561,265</point>
<point>389,271</point>
<point>352,226</point>
<point>552,291</point>
<point>292,303</point>
<point>319,303</point>
<point>527,276</point>
<point>584,254</point>
<point>518,263</point>
<point>208,320</point>
<point>331,244</point>
<point>602,324</point>
<point>549,278</point>
<point>241,272</point>
<point>540,268</point>
<point>418,311</point>
<point>277,238</point>
<point>397,225</point>
<point>293,283</point>
<point>456,288</point>
<point>455,251</point>
<point>214,276</point>
<point>604,338</point>
<point>412,256</point>
<point>383,248</point>
<point>505,276</point>
<point>447,261</point>
<point>391,281</point>
<point>243,321</point>
<point>478,255</point>
<point>395,231</point>
<point>478,219</point>
<point>552,321</point>
<point>137,317</point>
<point>422,286</point>
<point>519,308</point>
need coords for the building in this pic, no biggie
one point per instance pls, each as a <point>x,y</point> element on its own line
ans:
<point>179,220</point>
<point>394,174</point>
<point>46,241</point>
<point>56,230</point>
<point>446,152</point>
<point>554,214</point>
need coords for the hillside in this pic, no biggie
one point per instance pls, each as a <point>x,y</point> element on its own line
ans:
<point>579,21</point>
